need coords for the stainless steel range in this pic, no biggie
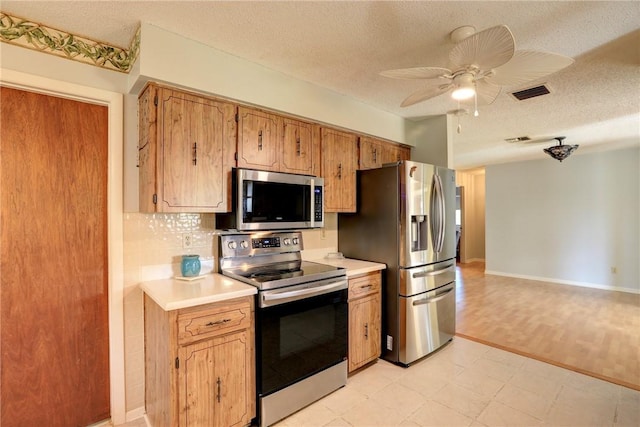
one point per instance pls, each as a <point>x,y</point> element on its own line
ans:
<point>301,320</point>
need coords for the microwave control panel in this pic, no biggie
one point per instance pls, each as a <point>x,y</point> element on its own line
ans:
<point>317,208</point>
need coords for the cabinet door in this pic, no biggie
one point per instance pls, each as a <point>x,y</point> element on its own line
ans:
<point>147,149</point>
<point>364,331</point>
<point>213,382</point>
<point>195,157</point>
<point>394,153</point>
<point>300,147</point>
<point>372,153</point>
<point>339,164</point>
<point>258,140</point>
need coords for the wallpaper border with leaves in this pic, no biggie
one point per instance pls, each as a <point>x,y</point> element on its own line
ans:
<point>25,33</point>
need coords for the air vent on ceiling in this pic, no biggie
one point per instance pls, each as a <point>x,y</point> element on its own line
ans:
<point>532,92</point>
<point>518,139</point>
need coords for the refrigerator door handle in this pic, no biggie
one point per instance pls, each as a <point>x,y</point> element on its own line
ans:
<point>441,213</point>
<point>432,273</point>
<point>433,217</point>
<point>432,299</point>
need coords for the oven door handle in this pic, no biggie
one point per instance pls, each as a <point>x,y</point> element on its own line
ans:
<point>273,298</point>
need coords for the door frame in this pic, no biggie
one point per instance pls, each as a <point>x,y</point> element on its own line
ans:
<point>114,102</point>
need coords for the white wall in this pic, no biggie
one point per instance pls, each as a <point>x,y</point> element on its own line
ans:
<point>169,57</point>
<point>570,222</point>
<point>429,137</point>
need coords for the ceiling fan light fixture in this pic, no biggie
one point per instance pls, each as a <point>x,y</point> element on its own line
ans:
<point>560,152</point>
<point>465,89</point>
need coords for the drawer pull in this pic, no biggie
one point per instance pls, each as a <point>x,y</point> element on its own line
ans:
<point>366,286</point>
<point>218,322</point>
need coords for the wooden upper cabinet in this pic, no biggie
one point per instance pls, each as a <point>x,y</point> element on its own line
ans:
<point>371,153</point>
<point>376,152</point>
<point>339,165</point>
<point>394,153</point>
<point>186,152</point>
<point>300,147</point>
<point>259,144</point>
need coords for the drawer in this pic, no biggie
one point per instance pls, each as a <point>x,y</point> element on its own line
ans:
<point>364,285</point>
<point>213,320</point>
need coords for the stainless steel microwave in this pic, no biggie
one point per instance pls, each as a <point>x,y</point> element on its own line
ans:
<point>265,200</point>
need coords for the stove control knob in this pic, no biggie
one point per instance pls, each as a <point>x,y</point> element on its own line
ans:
<point>286,241</point>
<point>232,245</point>
<point>244,244</point>
<point>295,240</point>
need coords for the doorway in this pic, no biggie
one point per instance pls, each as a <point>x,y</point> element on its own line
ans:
<point>54,329</point>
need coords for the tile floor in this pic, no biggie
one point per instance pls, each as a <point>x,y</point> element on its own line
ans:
<point>470,384</point>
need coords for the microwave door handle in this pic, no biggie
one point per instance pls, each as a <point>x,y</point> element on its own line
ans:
<point>312,213</point>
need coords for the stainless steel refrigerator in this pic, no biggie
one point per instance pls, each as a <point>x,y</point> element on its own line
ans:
<point>406,219</point>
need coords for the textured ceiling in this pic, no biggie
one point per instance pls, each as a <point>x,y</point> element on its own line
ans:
<point>343,46</point>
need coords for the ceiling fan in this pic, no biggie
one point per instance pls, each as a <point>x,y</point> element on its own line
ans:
<point>484,62</point>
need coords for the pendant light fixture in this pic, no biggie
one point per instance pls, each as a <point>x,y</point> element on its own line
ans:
<point>560,152</point>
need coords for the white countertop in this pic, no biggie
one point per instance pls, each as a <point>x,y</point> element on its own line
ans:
<point>354,267</point>
<point>172,294</point>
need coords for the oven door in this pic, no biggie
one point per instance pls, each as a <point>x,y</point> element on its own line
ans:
<point>301,330</point>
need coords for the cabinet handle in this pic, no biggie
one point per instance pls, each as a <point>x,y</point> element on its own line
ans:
<point>195,153</point>
<point>375,156</point>
<point>366,286</point>
<point>218,322</point>
<point>366,331</point>
<point>298,146</point>
<point>218,393</point>
<point>260,140</point>
<point>340,171</point>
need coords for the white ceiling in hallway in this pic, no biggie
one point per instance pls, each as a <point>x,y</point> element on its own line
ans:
<point>343,45</point>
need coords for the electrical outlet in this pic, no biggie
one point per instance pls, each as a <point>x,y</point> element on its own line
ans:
<point>187,240</point>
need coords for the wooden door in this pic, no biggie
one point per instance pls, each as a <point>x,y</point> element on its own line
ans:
<point>232,387</point>
<point>53,253</point>
<point>299,145</point>
<point>214,389</point>
<point>339,164</point>
<point>258,140</point>
<point>364,331</point>
<point>197,140</point>
<point>394,153</point>
<point>371,153</point>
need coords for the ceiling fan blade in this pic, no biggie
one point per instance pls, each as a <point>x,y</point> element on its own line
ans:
<point>487,92</point>
<point>425,93</point>
<point>486,49</point>
<point>527,65</point>
<point>417,73</point>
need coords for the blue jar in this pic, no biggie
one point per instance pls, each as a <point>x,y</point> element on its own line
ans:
<point>190,265</point>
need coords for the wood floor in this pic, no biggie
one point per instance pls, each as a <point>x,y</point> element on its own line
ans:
<point>591,331</point>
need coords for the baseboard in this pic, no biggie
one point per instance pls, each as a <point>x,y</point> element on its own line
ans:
<point>565,282</point>
<point>135,414</point>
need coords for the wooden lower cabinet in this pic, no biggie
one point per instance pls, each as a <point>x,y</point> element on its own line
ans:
<point>365,293</point>
<point>200,364</point>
